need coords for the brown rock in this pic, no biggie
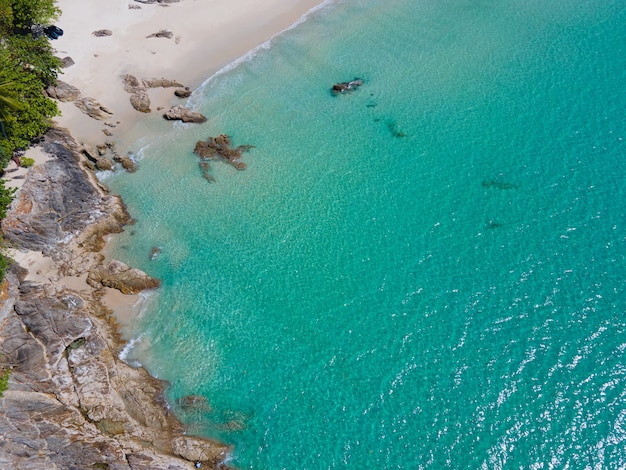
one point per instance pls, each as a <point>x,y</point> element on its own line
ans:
<point>183,92</point>
<point>66,62</point>
<point>104,164</point>
<point>118,275</point>
<point>219,148</point>
<point>183,114</point>
<point>63,91</point>
<point>140,100</point>
<point>93,108</point>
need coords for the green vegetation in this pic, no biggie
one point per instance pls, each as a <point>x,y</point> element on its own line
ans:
<point>26,162</point>
<point>27,67</point>
<point>4,382</point>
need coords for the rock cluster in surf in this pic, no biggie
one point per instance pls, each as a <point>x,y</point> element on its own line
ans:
<point>219,148</point>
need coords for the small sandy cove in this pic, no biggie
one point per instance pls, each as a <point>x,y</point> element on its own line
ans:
<point>207,35</point>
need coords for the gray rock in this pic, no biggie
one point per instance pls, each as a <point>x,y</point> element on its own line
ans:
<point>66,62</point>
<point>184,114</point>
<point>183,92</point>
<point>164,33</point>
<point>102,32</point>
<point>93,108</point>
<point>63,91</point>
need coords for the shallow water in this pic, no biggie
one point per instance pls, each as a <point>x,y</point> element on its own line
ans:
<point>425,273</point>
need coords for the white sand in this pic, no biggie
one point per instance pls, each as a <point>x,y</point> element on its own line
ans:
<point>207,35</point>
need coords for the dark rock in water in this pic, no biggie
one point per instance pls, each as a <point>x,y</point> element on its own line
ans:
<point>102,33</point>
<point>495,184</point>
<point>345,87</point>
<point>183,114</point>
<point>104,164</point>
<point>393,128</point>
<point>155,252</point>
<point>219,148</point>
<point>127,163</point>
<point>492,224</point>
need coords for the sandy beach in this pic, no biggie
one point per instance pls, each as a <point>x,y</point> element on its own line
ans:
<point>206,35</point>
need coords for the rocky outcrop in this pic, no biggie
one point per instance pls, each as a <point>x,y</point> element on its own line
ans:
<point>138,89</point>
<point>118,275</point>
<point>183,92</point>
<point>92,108</point>
<point>71,402</point>
<point>346,87</point>
<point>63,91</point>
<point>140,100</point>
<point>181,113</point>
<point>219,148</point>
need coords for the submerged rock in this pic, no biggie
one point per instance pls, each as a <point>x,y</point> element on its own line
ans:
<point>345,87</point>
<point>219,148</point>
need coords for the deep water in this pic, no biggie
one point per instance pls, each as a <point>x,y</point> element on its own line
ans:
<point>428,272</point>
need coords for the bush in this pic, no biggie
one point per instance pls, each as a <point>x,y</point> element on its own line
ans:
<point>4,382</point>
<point>26,162</point>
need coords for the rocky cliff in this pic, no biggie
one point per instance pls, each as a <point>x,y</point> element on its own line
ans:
<point>71,402</point>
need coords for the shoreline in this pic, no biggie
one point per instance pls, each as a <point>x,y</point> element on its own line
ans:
<point>206,37</point>
<point>60,262</point>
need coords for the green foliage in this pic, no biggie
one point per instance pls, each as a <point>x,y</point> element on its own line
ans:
<point>27,13</point>
<point>6,196</point>
<point>23,84</point>
<point>26,162</point>
<point>4,382</point>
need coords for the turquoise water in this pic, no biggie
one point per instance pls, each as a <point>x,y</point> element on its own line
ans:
<point>428,272</point>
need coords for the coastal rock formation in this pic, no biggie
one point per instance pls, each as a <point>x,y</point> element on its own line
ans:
<point>183,92</point>
<point>71,402</point>
<point>139,99</point>
<point>118,275</point>
<point>219,148</point>
<point>183,114</point>
<point>63,91</point>
<point>346,87</point>
<point>93,108</point>
<point>127,163</point>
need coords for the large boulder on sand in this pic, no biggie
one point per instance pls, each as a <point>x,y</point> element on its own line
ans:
<point>140,100</point>
<point>183,114</point>
<point>63,91</point>
<point>93,108</point>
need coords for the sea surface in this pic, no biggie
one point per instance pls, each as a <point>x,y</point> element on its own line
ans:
<point>428,272</point>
